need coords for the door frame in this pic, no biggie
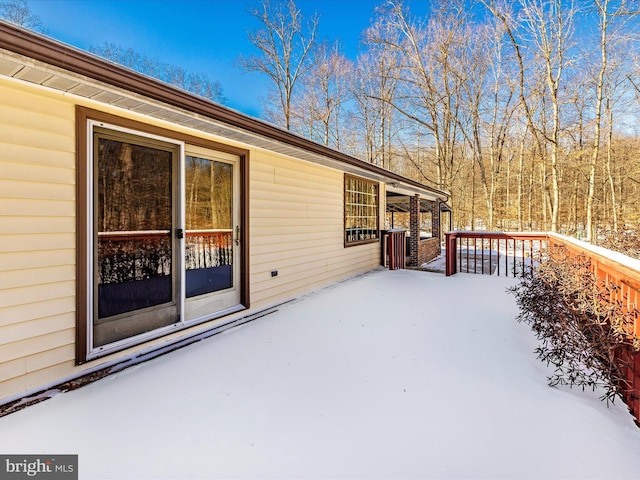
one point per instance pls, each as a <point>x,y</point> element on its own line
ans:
<point>85,118</point>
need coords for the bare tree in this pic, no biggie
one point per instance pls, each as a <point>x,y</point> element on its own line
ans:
<point>197,83</point>
<point>550,25</point>
<point>375,89</point>
<point>285,42</point>
<point>319,105</point>
<point>18,12</point>
<point>365,112</point>
<point>545,27</point>
<point>490,95</point>
<point>604,17</point>
<point>609,12</point>
<point>430,78</point>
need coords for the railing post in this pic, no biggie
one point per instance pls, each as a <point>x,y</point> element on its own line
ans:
<point>451,247</point>
<point>396,249</point>
<point>391,244</point>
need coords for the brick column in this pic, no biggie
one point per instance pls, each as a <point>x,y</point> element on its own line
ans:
<point>414,229</point>
<point>435,223</point>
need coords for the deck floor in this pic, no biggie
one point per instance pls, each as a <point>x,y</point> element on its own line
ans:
<point>393,374</point>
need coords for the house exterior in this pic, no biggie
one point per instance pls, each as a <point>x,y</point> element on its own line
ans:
<point>136,217</point>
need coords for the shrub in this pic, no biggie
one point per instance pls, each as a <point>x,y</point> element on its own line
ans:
<point>627,242</point>
<point>584,334</point>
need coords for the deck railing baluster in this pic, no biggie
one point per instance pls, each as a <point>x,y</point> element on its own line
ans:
<point>475,255</point>
<point>482,253</point>
<point>467,255</point>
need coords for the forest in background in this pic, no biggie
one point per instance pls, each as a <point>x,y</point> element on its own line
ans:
<point>526,111</point>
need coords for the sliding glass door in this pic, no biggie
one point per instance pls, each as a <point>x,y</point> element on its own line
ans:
<point>165,236</point>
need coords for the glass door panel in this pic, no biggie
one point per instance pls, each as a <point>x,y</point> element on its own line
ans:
<point>134,269</point>
<point>211,237</point>
<point>209,222</point>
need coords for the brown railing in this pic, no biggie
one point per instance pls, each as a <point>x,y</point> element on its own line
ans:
<point>611,269</point>
<point>517,253</point>
<point>395,248</point>
<point>499,253</point>
<point>511,253</point>
<point>521,252</point>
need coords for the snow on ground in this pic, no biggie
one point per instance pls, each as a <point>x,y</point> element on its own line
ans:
<point>394,374</point>
<point>438,264</point>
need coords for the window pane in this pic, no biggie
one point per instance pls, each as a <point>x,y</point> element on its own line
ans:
<point>133,263</point>
<point>134,225</point>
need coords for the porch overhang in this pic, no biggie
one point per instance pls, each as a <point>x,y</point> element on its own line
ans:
<point>420,248</point>
<point>399,203</point>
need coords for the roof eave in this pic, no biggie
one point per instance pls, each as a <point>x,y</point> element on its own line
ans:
<point>39,47</point>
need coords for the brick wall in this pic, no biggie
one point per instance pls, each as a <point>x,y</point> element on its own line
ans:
<point>428,249</point>
<point>435,219</point>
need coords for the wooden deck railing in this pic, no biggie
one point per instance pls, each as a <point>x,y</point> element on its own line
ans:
<point>489,253</point>
<point>395,248</point>
<point>515,253</point>
<point>485,252</point>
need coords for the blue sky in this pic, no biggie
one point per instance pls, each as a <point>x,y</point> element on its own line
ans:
<point>200,35</point>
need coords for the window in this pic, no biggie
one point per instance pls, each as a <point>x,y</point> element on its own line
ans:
<point>360,210</point>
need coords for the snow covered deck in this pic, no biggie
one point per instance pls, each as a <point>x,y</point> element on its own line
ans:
<point>394,374</point>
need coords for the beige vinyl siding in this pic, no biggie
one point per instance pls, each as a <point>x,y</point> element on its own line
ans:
<point>297,228</point>
<point>32,276</point>
<point>37,239</point>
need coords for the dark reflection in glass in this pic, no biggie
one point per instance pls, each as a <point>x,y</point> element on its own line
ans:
<point>134,221</point>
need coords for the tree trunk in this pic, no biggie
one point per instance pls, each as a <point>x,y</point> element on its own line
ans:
<point>612,186</point>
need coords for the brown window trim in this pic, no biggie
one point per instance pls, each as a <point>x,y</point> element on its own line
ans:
<point>344,203</point>
<point>83,115</point>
